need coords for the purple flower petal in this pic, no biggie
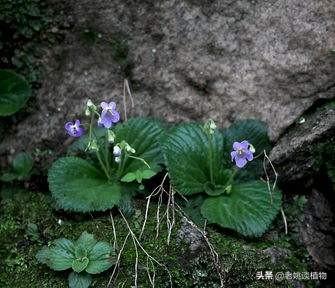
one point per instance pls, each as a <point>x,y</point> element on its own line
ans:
<point>74,129</point>
<point>104,105</point>
<point>112,106</point>
<point>244,145</point>
<point>233,155</point>
<point>240,162</point>
<point>237,146</point>
<point>248,155</point>
<point>68,125</point>
<point>115,117</point>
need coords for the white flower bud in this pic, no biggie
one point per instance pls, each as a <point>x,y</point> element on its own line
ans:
<point>117,151</point>
<point>252,148</point>
<point>117,159</point>
<point>90,107</point>
<point>110,136</point>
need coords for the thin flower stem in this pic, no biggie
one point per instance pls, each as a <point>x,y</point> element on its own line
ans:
<point>107,156</point>
<point>210,158</point>
<point>102,164</point>
<point>141,159</point>
<point>122,164</point>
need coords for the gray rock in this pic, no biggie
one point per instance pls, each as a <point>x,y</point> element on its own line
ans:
<point>295,154</point>
<point>187,60</point>
<point>318,230</point>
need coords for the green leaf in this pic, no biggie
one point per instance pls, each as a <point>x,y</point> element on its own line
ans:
<point>22,165</point>
<point>129,177</point>
<point>144,136</point>
<point>86,241</point>
<point>77,185</point>
<point>147,174</point>
<point>79,280</point>
<point>249,209</point>
<point>79,264</point>
<point>59,256</point>
<point>14,92</point>
<point>102,257</point>
<point>187,158</point>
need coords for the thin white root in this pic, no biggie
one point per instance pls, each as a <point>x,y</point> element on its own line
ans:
<point>139,245</point>
<point>114,231</point>
<point>126,90</point>
<point>213,253</point>
<point>271,189</point>
<point>117,263</point>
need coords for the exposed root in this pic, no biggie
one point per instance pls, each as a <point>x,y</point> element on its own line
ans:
<point>114,231</point>
<point>117,263</point>
<point>213,253</point>
<point>150,259</point>
<point>271,189</point>
<point>126,90</point>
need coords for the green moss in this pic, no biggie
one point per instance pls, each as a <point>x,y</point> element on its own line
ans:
<point>240,258</point>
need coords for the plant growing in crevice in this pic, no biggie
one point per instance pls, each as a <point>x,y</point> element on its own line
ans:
<point>116,157</point>
<point>199,162</point>
<point>85,256</point>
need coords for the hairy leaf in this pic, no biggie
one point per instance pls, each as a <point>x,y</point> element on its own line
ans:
<point>102,257</point>
<point>249,209</point>
<point>187,156</point>
<point>79,280</point>
<point>59,256</point>
<point>77,185</point>
<point>144,136</point>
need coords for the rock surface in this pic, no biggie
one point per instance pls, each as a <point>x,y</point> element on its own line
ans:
<point>295,154</point>
<point>318,230</point>
<point>187,60</point>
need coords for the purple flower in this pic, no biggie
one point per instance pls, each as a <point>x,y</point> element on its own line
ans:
<point>109,115</point>
<point>74,129</point>
<point>242,153</point>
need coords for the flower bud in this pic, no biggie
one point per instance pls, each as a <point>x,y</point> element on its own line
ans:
<point>110,136</point>
<point>93,145</point>
<point>210,126</point>
<point>117,151</point>
<point>252,148</point>
<point>117,159</point>
<point>90,107</point>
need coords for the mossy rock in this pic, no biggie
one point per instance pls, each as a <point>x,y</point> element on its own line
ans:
<point>240,258</point>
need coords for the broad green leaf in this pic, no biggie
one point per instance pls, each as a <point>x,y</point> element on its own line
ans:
<point>129,177</point>
<point>14,92</point>
<point>102,257</point>
<point>77,185</point>
<point>147,174</point>
<point>79,264</point>
<point>58,256</point>
<point>187,157</point>
<point>86,241</point>
<point>249,209</point>
<point>79,280</point>
<point>22,164</point>
<point>144,136</point>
